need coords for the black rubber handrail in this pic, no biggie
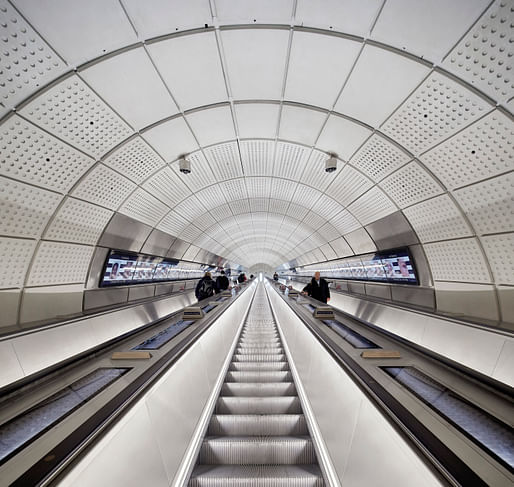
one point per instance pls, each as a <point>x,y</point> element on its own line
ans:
<point>55,460</point>
<point>439,457</point>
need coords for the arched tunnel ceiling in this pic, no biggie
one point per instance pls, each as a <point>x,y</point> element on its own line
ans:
<point>100,99</point>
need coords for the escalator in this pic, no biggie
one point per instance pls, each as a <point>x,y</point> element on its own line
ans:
<point>258,434</point>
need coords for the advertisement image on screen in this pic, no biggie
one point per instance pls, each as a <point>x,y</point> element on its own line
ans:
<point>164,270</point>
<point>119,269</point>
<point>398,268</point>
<point>145,268</point>
<point>374,269</point>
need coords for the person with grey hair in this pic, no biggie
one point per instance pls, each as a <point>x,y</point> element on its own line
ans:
<point>318,288</point>
<point>205,287</point>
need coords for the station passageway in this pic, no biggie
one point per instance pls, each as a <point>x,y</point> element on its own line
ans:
<point>343,170</point>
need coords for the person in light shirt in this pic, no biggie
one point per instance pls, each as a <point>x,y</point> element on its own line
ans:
<point>317,289</point>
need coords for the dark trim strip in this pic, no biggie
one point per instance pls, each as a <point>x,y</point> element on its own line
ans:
<point>451,467</point>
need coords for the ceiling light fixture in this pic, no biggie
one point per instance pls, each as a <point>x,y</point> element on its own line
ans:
<point>331,163</point>
<point>184,165</point>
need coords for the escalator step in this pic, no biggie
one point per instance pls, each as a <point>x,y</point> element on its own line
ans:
<point>257,425</point>
<point>259,376</point>
<point>258,405</point>
<point>259,366</point>
<point>262,389</point>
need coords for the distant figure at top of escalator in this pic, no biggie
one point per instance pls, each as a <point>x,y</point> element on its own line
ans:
<point>275,277</point>
<point>221,282</point>
<point>318,289</point>
<point>205,287</point>
<point>241,278</point>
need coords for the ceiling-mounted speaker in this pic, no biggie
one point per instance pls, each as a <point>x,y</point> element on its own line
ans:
<point>331,163</point>
<point>184,165</point>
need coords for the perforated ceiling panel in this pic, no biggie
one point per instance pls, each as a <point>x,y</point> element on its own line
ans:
<point>18,253</point>
<point>25,209</point>
<point>166,186</point>
<point>348,185</point>
<point>371,206</point>
<point>31,155</point>
<point>144,207</point>
<point>74,260</point>
<point>135,160</point>
<point>290,160</point>
<point>172,223</point>
<point>344,222</point>
<point>436,110</point>
<point>257,157</point>
<point>225,161</point>
<point>78,221</point>
<point>73,112</point>
<point>500,252</point>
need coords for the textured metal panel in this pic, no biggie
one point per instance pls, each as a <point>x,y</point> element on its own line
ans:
<point>225,161</point>
<point>265,12</point>
<point>290,160</point>
<point>234,189</point>
<point>384,79</point>
<point>212,126</point>
<point>409,185</point>
<point>392,231</point>
<point>190,233</point>
<point>190,253</point>
<point>256,62</point>
<point>168,186</point>
<point>436,110</point>
<point>371,206</point>
<point>314,173</point>
<point>50,303</point>
<point>344,222</point>
<point>17,253</point>
<point>258,187</point>
<point>378,291</point>
<point>489,205</point>
<point>132,87</point>
<point>329,232</point>
<point>162,289</point>
<point>25,209</point>
<point>257,120</point>
<point>124,233</point>
<point>33,156</point>
<point>157,243</point>
<point>457,260</point>
<point>141,292</point>
<point>356,288</point>
<point>348,185</point>
<point>197,55</point>
<point>500,253</point>
<point>416,296</point>
<point>437,219</point>
<point>506,302</point>
<point>60,263</point>
<point>342,137</point>
<point>90,124</point>
<point>275,206</point>
<point>9,302</point>
<point>78,221</point>
<point>211,197</point>
<point>378,158</point>
<point>360,241</point>
<point>313,54</point>
<point>300,125</point>
<point>144,207</point>
<point>482,150</point>
<point>104,187</point>
<point>27,61</point>
<point>172,223</point>
<point>97,298</point>
<point>481,59</point>
<point>136,160</point>
<point>341,247</point>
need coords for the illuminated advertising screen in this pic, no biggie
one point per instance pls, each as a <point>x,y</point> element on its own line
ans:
<point>119,269</point>
<point>399,267</point>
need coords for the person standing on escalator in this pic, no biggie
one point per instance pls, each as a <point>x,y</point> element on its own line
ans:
<point>221,282</point>
<point>205,287</point>
<point>318,289</point>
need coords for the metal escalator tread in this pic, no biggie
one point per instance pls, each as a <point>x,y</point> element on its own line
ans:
<point>258,436</point>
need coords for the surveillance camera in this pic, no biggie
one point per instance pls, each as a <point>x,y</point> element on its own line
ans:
<point>331,164</point>
<point>184,165</point>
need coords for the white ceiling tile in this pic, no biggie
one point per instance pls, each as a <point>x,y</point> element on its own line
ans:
<point>342,137</point>
<point>221,212</point>
<point>256,60</point>
<point>201,174</point>
<point>278,206</point>
<point>261,12</point>
<point>380,81</point>
<point>171,139</point>
<point>283,189</point>
<point>234,189</point>
<point>257,120</point>
<point>500,252</point>
<point>144,207</point>
<point>349,16</point>
<point>360,241</point>
<point>341,247</point>
<point>314,173</point>
<point>329,232</point>
<point>18,252</point>
<point>157,17</point>
<point>258,187</point>
<point>372,206</point>
<point>225,161</point>
<point>212,196</point>
<point>172,223</point>
<point>191,67</point>
<point>191,253</point>
<point>240,206</point>
<point>290,160</point>
<point>213,125</point>
<point>348,185</point>
<point>318,67</point>
<point>378,157</point>
<point>259,204</point>
<point>130,84</point>
<point>190,208</point>
<point>300,125</point>
<point>190,234</point>
<point>306,196</point>
<point>429,28</point>
<point>297,211</point>
<point>344,222</point>
<point>77,30</point>
<point>167,186</point>
<point>326,207</point>
<point>257,157</point>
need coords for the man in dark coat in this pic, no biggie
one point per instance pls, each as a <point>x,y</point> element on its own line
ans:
<point>205,287</point>
<point>221,282</point>
<point>318,289</point>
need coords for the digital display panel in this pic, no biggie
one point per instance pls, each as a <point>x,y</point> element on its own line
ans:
<point>398,267</point>
<point>119,269</point>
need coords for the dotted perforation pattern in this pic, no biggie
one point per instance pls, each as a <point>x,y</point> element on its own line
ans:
<point>437,219</point>
<point>224,161</point>
<point>484,55</point>
<point>435,111</point>
<point>60,263</point>
<point>104,187</point>
<point>17,254</point>
<point>457,260</point>
<point>240,206</point>
<point>345,222</point>
<point>500,253</point>
<point>378,158</point>
<point>136,160</point>
<point>257,156</point>
<point>79,222</point>
<point>489,205</point>
<point>290,160</point>
<point>259,204</point>
<point>410,184</point>
<point>144,207</point>
<point>372,206</point>
<point>482,150</point>
<point>25,209</point>
<point>31,155</point>
<point>166,186</point>
<point>26,60</point>
<point>348,185</point>
<point>72,111</point>
<point>172,223</point>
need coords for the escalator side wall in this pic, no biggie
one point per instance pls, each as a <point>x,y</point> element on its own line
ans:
<point>151,443</point>
<point>363,447</point>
